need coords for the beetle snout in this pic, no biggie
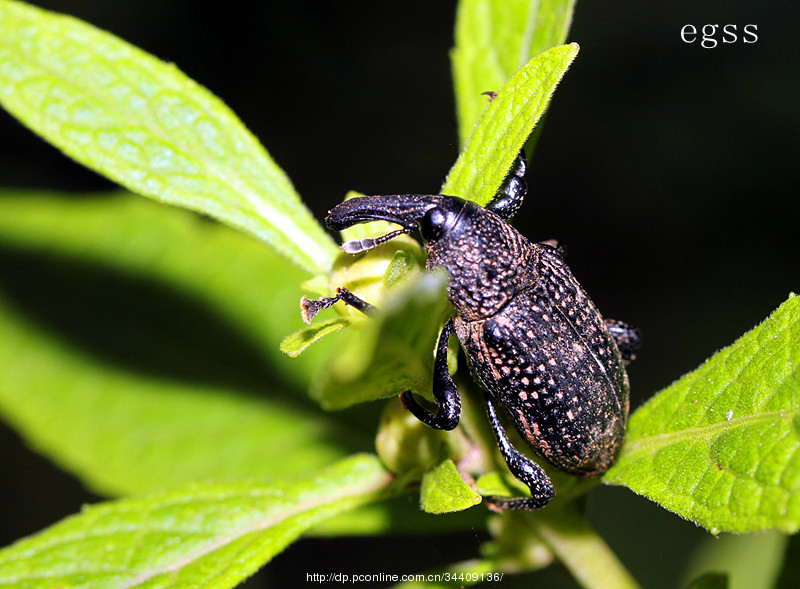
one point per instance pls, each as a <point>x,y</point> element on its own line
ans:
<point>404,209</point>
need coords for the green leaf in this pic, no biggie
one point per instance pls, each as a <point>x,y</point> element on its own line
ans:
<point>247,285</point>
<point>139,347</point>
<point>494,483</point>
<point>505,125</point>
<point>124,433</point>
<point>494,38</point>
<point>201,535</point>
<point>406,445</point>
<point>721,446</point>
<point>391,352</point>
<point>400,516</point>
<point>443,490</point>
<point>144,124</point>
<point>295,344</point>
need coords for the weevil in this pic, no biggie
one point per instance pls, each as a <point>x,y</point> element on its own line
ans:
<point>534,341</point>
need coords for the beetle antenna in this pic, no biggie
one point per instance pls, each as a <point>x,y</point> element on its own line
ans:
<point>357,246</point>
<point>310,307</point>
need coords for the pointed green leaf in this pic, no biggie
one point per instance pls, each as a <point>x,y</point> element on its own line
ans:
<point>391,352</point>
<point>721,446</point>
<point>494,38</point>
<point>505,125</point>
<point>123,432</point>
<point>182,379</point>
<point>295,344</point>
<point>247,285</point>
<point>201,535</point>
<point>144,124</point>
<point>443,490</point>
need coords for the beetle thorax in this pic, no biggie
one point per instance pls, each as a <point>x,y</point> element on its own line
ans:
<point>486,259</point>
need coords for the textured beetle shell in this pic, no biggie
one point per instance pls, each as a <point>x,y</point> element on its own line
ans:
<point>535,342</point>
<point>485,259</point>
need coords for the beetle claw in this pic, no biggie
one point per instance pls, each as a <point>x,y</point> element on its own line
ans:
<point>500,504</point>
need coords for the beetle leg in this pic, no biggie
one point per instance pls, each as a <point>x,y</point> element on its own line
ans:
<point>522,467</point>
<point>444,390</point>
<point>509,197</point>
<point>310,307</point>
<point>627,338</point>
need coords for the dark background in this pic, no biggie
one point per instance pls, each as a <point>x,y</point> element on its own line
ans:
<point>668,170</point>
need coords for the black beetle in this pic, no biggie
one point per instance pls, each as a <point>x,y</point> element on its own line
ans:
<point>534,341</point>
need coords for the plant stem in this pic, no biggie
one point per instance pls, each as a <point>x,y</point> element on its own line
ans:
<point>576,544</point>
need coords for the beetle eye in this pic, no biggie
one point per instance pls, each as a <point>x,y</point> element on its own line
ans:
<point>433,223</point>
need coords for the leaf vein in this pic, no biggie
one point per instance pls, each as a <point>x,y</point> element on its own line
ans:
<point>658,441</point>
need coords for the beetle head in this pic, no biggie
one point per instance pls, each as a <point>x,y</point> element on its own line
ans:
<point>434,214</point>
